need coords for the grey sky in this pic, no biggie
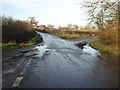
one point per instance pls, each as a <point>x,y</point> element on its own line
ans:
<point>55,12</point>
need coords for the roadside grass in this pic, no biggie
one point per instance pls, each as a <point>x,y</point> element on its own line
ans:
<point>9,46</point>
<point>69,34</point>
<point>13,45</point>
<point>35,40</point>
<point>73,36</point>
<point>105,48</point>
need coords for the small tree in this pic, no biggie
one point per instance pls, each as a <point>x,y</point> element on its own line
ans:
<point>69,26</point>
<point>33,21</point>
<point>49,26</point>
<point>104,15</point>
<point>75,27</point>
<point>101,12</point>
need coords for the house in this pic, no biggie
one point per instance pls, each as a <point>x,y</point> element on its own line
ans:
<point>42,27</point>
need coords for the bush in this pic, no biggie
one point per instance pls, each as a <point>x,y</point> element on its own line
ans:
<point>16,30</point>
<point>110,35</point>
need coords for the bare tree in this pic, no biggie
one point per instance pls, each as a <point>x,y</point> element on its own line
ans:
<point>69,26</point>
<point>101,12</point>
<point>75,27</point>
<point>33,21</point>
<point>49,26</point>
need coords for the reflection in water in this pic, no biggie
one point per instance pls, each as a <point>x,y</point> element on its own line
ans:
<point>91,51</point>
<point>41,50</point>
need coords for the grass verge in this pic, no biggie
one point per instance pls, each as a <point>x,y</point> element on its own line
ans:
<point>68,36</point>
<point>9,46</point>
<point>12,45</point>
<point>104,48</point>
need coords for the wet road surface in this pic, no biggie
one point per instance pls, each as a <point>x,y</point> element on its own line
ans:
<point>58,63</point>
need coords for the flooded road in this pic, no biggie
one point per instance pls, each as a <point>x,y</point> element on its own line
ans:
<point>58,63</point>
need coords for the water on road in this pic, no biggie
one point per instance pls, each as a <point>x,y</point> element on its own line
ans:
<point>58,63</point>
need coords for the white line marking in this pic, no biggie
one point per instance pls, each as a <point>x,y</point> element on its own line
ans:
<point>17,81</point>
<point>30,60</point>
<point>23,71</point>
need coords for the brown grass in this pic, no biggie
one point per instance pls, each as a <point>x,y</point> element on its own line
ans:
<point>110,35</point>
<point>68,34</point>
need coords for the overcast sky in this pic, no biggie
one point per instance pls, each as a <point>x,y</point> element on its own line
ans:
<point>55,12</point>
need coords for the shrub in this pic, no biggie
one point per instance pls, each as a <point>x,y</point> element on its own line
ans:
<point>110,35</point>
<point>16,30</point>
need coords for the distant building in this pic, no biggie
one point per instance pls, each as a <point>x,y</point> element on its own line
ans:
<point>42,27</point>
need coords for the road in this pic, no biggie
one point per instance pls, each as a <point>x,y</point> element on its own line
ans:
<point>58,63</point>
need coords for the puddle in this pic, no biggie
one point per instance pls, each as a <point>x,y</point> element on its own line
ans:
<point>91,51</point>
<point>41,50</point>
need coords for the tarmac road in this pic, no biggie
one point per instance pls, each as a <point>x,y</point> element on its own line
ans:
<point>58,63</point>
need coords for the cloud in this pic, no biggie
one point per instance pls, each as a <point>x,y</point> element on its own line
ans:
<point>56,12</point>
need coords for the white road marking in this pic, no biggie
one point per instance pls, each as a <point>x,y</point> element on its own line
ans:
<point>28,63</point>
<point>23,71</point>
<point>23,59</point>
<point>17,81</point>
<point>30,60</point>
